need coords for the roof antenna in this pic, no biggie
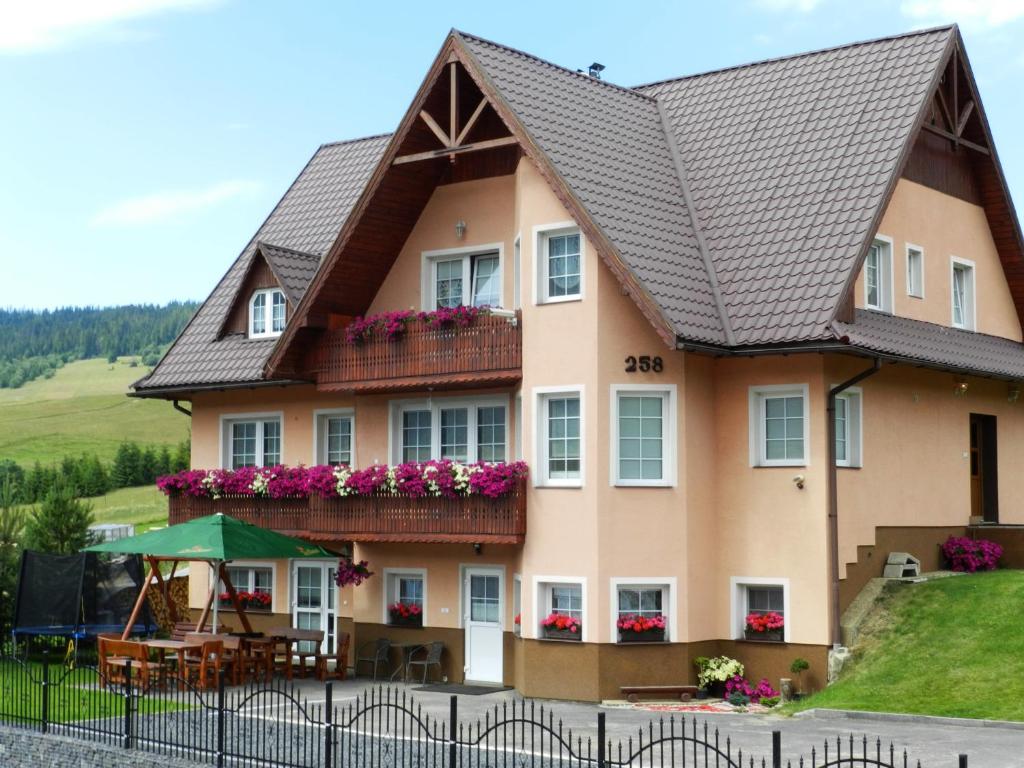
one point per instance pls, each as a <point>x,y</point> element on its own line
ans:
<point>595,70</point>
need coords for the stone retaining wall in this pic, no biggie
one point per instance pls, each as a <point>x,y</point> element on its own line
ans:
<point>30,749</point>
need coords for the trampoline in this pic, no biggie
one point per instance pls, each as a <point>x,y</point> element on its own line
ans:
<point>78,596</point>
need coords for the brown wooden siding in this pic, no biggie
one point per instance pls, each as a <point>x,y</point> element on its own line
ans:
<point>469,520</point>
<point>259,276</point>
<point>934,163</point>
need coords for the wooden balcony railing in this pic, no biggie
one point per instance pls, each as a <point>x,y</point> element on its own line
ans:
<point>488,352</point>
<point>469,520</point>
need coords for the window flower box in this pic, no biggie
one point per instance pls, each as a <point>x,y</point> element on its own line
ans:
<point>765,627</point>
<point>250,601</point>
<point>405,615</point>
<point>641,629</point>
<point>560,626</point>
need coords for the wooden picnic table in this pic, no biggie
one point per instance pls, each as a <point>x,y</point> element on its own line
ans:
<point>179,647</point>
<point>291,635</point>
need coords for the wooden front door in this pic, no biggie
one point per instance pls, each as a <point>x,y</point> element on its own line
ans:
<point>984,478</point>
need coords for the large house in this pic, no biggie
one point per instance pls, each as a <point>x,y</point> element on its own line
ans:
<point>750,331</point>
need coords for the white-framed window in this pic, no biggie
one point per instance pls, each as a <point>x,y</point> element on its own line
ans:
<point>962,288</point>
<point>559,436</point>
<point>915,271</point>
<point>251,440</point>
<point>647,597</point>
<point>517,604</point>
<point>849,418</point>
<point>517,273</point>
<point>559,594</point>
<point>644,438</point>
<point>407,586</point>
<point>463,276</point>
<point>519,427</point>
<point>756,594</point>
<point>558,250</point>
<point>252,578</point>
<point>779,426</point>
<point>878,275</point>
<point>267,313</point>
<point>334,436</point>
<point>461,429</point>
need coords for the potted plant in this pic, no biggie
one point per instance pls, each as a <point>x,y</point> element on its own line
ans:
<point>798,667</point>
<point>561,626</point>
<point>402,614</point>
<point>766,627</point>
<point>517,625</point>
<point>641,629</point>
<point>712,674</point>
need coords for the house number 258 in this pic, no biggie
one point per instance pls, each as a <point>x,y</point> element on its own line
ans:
<point>644,363</point>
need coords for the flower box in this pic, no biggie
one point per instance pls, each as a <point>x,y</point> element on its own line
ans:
<point>405,615</point>
<point>550,633</point>
<point>645,636</point>
<point>768,636</point>
<point>561,626</point>
<point>406,621</point>
<point>766,627</point>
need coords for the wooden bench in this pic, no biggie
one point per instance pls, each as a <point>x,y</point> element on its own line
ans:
<point>634,693</point>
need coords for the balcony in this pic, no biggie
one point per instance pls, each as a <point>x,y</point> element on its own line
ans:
<point>468,520</point>
<point>489,352</point>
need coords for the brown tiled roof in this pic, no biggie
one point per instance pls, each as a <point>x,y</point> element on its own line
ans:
<point>928,343</point>
<point>305,220</point>
<point>293,269</point>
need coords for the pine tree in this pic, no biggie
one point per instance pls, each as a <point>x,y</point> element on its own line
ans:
<point>147,466</point>
<point>126,465</point>
<point>182,457</point>
<point>60,524</point>
<point>163,462</point>
<point>12,520</point>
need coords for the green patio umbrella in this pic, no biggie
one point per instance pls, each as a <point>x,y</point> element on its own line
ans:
<point>217,539</point>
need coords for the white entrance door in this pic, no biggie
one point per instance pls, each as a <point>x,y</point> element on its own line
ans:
<point>315,599</point>
<point>483,603</point>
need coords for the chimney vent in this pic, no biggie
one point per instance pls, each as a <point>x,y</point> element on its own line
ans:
<point>595,70</point>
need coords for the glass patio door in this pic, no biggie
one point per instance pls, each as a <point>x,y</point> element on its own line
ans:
<point>314,602</point>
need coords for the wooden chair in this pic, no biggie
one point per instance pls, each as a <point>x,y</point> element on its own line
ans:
<point>184,628</point>
<point>207,665</point>
<point>431,657</point>
<point>309,648</point>
<point>339,657</point>
<point>119,655</point>
<point>230,660</point>
<point>100,646</point>
<point>381,654</point>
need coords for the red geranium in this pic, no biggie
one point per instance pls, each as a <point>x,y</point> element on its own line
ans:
<point>404,610</point>
<point>633,623</point>
<point>561,621</point>
<point>765,622</point>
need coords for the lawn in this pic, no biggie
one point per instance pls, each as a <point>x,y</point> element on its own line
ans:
<point>83,408</point>
<point>948,647</point>
<point>144,507</point>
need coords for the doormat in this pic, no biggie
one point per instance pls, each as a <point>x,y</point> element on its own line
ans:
<point>465,690</point>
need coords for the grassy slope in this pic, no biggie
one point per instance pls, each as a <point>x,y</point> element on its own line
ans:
<point>82,408</point>
<point>145,507</point>
<point>949,647</point>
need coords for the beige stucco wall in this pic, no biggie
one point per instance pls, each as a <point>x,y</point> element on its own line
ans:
<point>944,226</point>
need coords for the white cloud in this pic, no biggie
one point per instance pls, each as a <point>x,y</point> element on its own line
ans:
<point>34,25</point>
<point>161,206</point>
<point>983,14</point>
<point>802,6</point>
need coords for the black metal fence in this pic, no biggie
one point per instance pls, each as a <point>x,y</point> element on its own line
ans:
<point>274,726</point>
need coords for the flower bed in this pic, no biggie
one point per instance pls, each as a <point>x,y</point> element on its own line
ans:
<point>765,626</point>
<point>738,691</point>
<point>441,478</point>
<point>970,555</point>
<point>405,615</point>
<point>391,325</point>
<point>560,626</point>
<point>641,629</point>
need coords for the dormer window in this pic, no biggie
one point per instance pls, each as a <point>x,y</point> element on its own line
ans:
<point>266,313</point>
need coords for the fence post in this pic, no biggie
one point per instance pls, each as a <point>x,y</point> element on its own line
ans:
<point>220,719</point>
<point>776,749</point>
<point>329,725</point>
<point>453,719</point>
<point>600,740</point>
<point>45,703</point>
<point>963,761</point>
<point>126,736</point>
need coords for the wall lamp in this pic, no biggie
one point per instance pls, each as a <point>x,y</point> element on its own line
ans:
<point>961,388</point>
<point>1013,393</point>
<point>460,228</point>
<point>478,548</point>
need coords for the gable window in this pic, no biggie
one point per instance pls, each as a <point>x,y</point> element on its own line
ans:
<point>848,428</point>
<point>459,277</point>
<point>915,272</point>
<point>267,313</point>
<point>878,276</point>
<point>334,432</point>
<point>252,441</point>
<point>560,264</point>
<point>963,294</point>
<point>779,432</point>
<point>559,431</point>
<point>644,435</point>
<point>463,429</point>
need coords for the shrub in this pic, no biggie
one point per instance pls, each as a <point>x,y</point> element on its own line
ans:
<point>770,701</point>
<point>970,555</point>
<point>738,699</point>
<point>717,670</point>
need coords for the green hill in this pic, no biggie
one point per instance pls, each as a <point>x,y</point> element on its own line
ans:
<point>83,408</point>
<point>948,647</point>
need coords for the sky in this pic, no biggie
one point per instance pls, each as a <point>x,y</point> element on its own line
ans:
<point>142,142</point>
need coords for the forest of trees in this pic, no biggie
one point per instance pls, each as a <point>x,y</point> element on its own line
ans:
<point>35,343</point>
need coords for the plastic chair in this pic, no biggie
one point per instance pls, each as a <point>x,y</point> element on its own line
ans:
<point>381,655</point>
<point>431,658</point>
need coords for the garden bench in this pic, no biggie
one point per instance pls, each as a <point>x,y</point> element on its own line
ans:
<point>634,693</point>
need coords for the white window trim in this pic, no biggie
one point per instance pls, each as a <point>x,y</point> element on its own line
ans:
<point>756,424</point>
<point>970,297</point>
<point>917,249</point>
<point>540,437</point>
<point>320,436</point>
<point>854,428</point>
<point>390,574</point>
<point>542,599</point>
<point>435,405</point>
<point>739,602</point>
<point>517,579</point>
<point>268,316</point>
<point>885,291</point>
<point>668,462</point>
<point>517,272</point>
<point>228,418</point>
<point>517,438</point>
<point>668,601</point>
<point>215,577</point>
<point>428,301</point>
<point>541,232</point>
